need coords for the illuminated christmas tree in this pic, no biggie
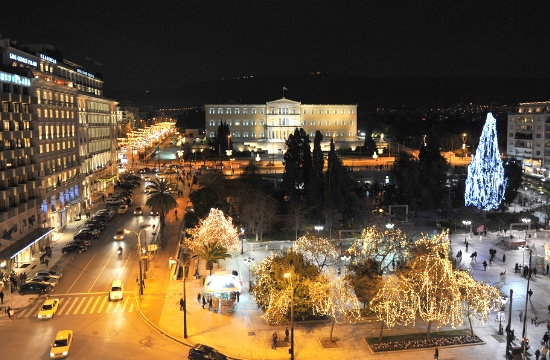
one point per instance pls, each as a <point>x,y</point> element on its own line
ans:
<point>486,184</point>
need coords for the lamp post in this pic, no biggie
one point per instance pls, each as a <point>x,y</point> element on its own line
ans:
<point>185,297</point>
<point>463,146</point>
<point>318,228</point>
<point>291,350</point>
<point>527,222</point>
<point>524,340</point>
<point>249,261</point>
<point>138,234</point>
<point>468,223</point>
<point>242,241</point>
<point>390,226</point>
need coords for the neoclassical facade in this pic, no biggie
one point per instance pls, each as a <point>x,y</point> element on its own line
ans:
<point>265,127</point>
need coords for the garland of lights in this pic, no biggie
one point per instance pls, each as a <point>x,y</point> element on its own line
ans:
<point>486,184</point>
<point>216,227</point>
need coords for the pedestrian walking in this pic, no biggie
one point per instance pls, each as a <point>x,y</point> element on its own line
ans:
<point>203,301</point>
<point>545,338</point>
<point>2,296</point>
<point>537,354</point>
<point>199,298</point>
<point>8,310</point>
<point>286,334</point>
<point>484,265</point>
<point>46,262</point>
<point>547,268</point>
<point>533,318</point>
<point>436,354</point>
<point>210,303</point>
<point>466,246</point>
<point>521,316</point>
<point>530,292</point>
<point>504,258</point>
<point>176,213</point>
<point>182,304</point>
<point>274,341</point>
<point>238,295</point>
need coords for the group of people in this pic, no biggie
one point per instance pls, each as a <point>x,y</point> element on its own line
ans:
<point>275,338</point>
<point>492,254</point>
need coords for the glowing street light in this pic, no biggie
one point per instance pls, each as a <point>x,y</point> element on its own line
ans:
<point>318,228</point>
<point>139,254</point>
<point>468,223</point>
<point>527,222</point>
<point>289,277</point>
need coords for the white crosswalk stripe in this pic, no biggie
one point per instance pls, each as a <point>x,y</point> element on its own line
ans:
<point>81,305</point>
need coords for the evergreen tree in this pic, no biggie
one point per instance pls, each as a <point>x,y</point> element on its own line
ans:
<point>433,174</point>
<point>486,184</point>
<point>297,165</point>
<point>315,190</point>
<point>222,140</point>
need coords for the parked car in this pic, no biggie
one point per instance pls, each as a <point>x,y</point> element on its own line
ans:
<point>112,201</point>
<point>62,344</point>
<point>201,352</point>
<point>84,235</point>
<point>34,288</point>
<point>92,230</point>
<point>80,242</point>
<point>73,248</point>
<point>48,309</point>
<point>43,280</point>
<point>122,209</point>
<point>49,272</point>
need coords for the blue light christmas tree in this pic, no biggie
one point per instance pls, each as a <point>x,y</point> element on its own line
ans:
<point>486,184</point>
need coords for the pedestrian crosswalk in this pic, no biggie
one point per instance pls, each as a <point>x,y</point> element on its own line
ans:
<point>81,305</point>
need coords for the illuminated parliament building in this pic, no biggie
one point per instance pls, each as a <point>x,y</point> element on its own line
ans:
<point>265,127</point>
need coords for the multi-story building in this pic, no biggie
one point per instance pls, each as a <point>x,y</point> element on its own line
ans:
<point>528,137</point>
<point>70,135</point>
<point>265,127</point>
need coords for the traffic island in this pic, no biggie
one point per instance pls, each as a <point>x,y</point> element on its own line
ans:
<point>419,341</point>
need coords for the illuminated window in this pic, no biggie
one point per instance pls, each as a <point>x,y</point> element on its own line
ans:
<point>211,111</point>
<point>212,134</point>
<point>253,122</point>
<point>253,134</point>
<point>320,122</point>
<point>335,133</point>
<point>254,111</point>
<point>327,134</point>
<point>245,134</point>
<point>236,111</point>
<point>312,122</point>
<point>335,122</point>
<point>350,133</point>
<point>220,111</point>
<point>311,134</point>
<point>237,134</point>
<point>245,111</point>
<point>237,122</point>
<point>328,122</point>
<point>245,122</point>
<point>212,122</point>
<point>228,111</point>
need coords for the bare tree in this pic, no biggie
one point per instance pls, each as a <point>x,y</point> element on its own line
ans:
<point>296,219</point>
<point>260,213</point>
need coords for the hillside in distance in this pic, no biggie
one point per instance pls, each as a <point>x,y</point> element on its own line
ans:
<point>368,93</point>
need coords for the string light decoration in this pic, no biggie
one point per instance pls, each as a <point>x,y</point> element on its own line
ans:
<point>333,296</point>
<point>319,251</point>
<point>216,227</point>
<point>431,289</point>
<point>383,245</point>
<point>486,184</point>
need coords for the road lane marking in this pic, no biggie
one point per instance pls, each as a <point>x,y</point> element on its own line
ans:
<point>102,305</point>
<point>95,304</point>
<point>87,305</point>
<point>125,303</point>
<point>79,305</point>
<point>117,306</point>
<point>63,305</point>
<point>82,272</point>
<point>72,305</point>
<point>29,311</point>
<point>103,268</point>
<point>131,306</point>
<point>109,307</point>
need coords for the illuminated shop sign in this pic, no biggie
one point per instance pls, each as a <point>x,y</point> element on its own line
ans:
<point>84,73</point>
<point>48,59</point>
<point>14,79</point>
<point>22,59</point>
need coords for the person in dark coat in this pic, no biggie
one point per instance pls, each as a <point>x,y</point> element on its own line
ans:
<point>203,301</point>
<point>436,354</point>
<point>182,304</point>
<point>199,298</point>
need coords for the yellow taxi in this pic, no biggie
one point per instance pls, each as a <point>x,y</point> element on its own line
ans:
<point>48,309</point>
<point>122,209</point>
<point>120,234</point>
<point>62,344</point>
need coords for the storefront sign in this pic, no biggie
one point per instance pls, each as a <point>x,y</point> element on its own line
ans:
<point>14,79</point>
<point>22,59</point>
<point>48,59</point>
<point>84,73</point>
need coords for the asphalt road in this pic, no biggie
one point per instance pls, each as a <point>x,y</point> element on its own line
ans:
<point>102,329</point>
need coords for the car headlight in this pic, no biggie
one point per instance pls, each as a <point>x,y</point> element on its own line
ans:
<point>65,353</point>
<point>52,354</point>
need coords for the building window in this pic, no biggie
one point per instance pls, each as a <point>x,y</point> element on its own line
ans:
<point>351,111</point>
<point>351,122</point>
<point>335,133</point>
<point>350,133</point>
<point>254,111</point>
<point>212,123</point>
<point>538,136</point>
<point>262,110</point>
<point>245,134</point>
<point>237,134</point>
<point>272,122</point>
<point>327,134</point>
<point>228,111</point>
<point>229,122</point>
<point>320,122</point>
<point>253,134</point>
<point>305,111</point>
<point>272,111</point>
<point>245,122</point>
<point>237,122</point>
<point>335,122</point>
<point>211,111</point>
<point>212,134</point>
<point>511,134</point>
<point>328,122</point>
<point>262,122</point>
<point>312,122</point>
<point>320,111</point>
<point>311,134</point>
<point>236,110</point>
<point>262,134</point>
<point>312,111</point>
<point>253,122</point>
<point>343,122</point>
<point>220,111</point>
<point>245,111</point>
<point>343,134</point>
<point>294,111</point>
<point>328,111</point>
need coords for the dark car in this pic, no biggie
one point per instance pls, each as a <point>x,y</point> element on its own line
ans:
<point>80,242</point>
<point>35,288</point>
<point>202,352</point>
<point>72,248</point>
<point>145,169</point>
<point>96,224</point>
<point>84,235</point>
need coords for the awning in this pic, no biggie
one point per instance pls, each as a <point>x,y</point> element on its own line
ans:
<point>17,247</point>
<point>104,179</point>
<point>76,200</point>
<point>222,282</point>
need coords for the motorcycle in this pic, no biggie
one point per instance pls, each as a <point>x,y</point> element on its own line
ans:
<point>119,251</point>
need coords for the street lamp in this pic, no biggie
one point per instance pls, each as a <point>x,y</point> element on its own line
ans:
<point>291,350</point>
<point>185,297</point>
<point>390,226</point>
<point>249,261</point>
<point>463,146</point>
<point>524,340</point>
<point>139,255</point>
<point>242,241</point>
<point>318,228</point>
<point>527,222</point>
<point>468,223</point>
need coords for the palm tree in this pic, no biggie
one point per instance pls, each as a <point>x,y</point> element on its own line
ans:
<point>161,200</point>
<point>212,253</point>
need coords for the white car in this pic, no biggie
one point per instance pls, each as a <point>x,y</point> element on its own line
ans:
<point>117,290</point>
<point>44,280</point>
<point>50,273</point>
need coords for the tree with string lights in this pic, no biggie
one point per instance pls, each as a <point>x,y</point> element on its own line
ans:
<point>218,228</point>
<point>317,250</point>
<point>486,184</point>
<point>332,295</point>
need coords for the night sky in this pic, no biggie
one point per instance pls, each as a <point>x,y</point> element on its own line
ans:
<point>153,45</point>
